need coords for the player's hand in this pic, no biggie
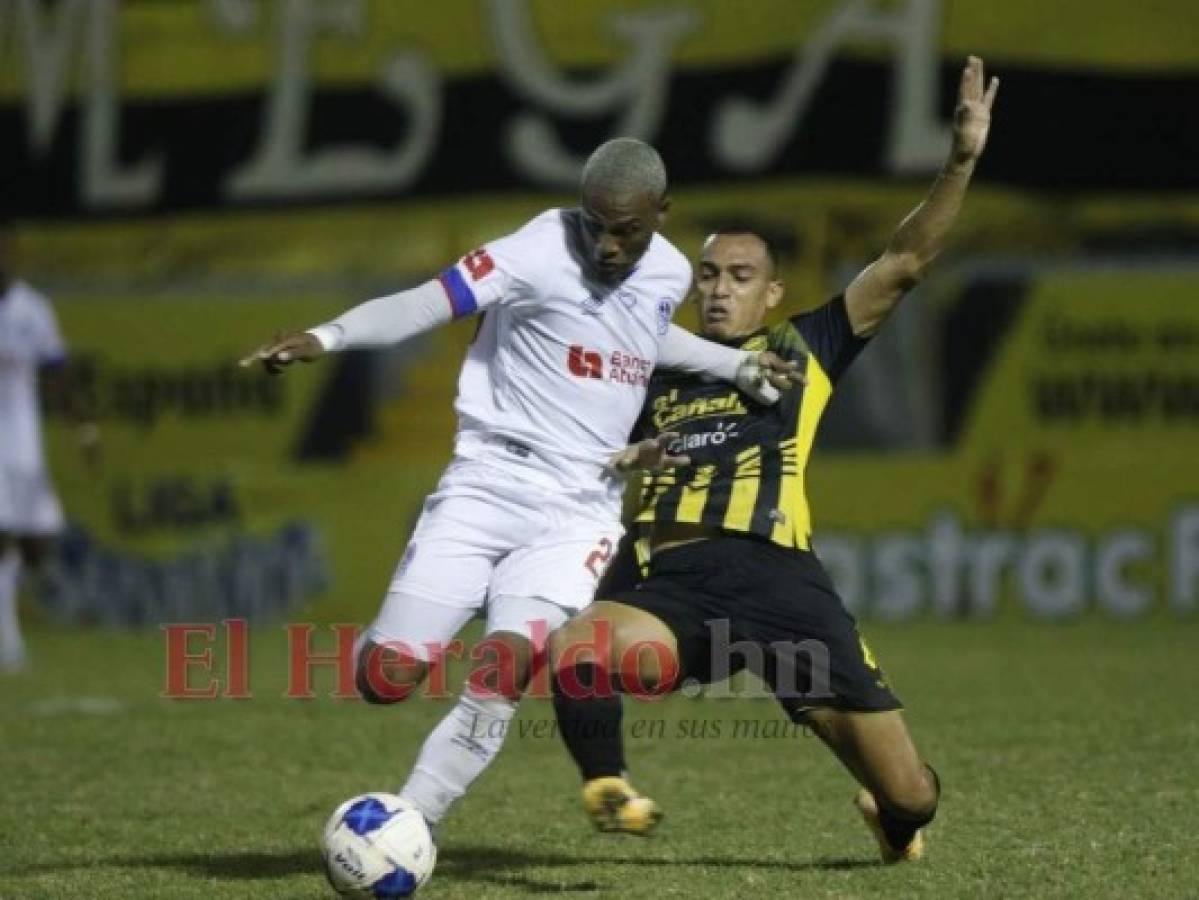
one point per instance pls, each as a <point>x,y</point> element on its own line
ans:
<point>972,115</point>
<point>651,454</point>
<point>764,375</point>
<point>286,347</point>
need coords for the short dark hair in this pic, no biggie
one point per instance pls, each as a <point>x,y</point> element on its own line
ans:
<point>770,238</point>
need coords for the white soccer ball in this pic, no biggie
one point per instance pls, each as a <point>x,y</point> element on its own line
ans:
<point>377,845</point>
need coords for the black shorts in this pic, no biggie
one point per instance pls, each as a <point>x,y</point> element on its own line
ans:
<point>737,602</point>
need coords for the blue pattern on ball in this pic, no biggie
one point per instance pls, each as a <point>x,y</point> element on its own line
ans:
<point>400,883</point>
<point>366,815</point>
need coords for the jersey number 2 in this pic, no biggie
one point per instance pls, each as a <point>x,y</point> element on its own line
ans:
<point>597,557</point>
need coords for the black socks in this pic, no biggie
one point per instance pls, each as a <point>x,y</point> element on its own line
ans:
<point>589,720</point>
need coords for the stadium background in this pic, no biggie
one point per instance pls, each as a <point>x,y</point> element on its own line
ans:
<point>192,176</point>
<point>1017,449</point>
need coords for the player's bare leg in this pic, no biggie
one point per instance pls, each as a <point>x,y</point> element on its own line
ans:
<point>899,791</point>
<point>588,656</point>
<point>384,674</point>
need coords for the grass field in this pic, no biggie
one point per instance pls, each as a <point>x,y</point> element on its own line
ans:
<point>1069,756</point>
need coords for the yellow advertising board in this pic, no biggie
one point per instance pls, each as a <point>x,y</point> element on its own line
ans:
<point>217,492</point>
<point>1073,483</point>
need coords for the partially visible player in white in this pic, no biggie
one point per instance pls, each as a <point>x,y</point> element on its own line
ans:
<point>30,514</point>
<point>576,309</point>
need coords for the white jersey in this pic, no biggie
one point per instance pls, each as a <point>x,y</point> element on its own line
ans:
<point>561,362</point>
<point>29,338</point>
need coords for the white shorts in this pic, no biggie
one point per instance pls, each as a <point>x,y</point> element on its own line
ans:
<point>28,504</point>
<point>527,556</point>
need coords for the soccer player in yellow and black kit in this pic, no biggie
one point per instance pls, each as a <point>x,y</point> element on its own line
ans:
<point>727,535</point>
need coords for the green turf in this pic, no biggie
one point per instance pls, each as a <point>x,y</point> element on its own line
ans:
<point>1068,755</point>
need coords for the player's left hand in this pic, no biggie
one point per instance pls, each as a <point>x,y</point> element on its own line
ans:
<point>651,454</point>
<point>972,115</point>
<point>764,375</point>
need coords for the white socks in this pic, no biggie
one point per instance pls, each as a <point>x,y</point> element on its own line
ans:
<point>457,751</point>
<point>12,647</point>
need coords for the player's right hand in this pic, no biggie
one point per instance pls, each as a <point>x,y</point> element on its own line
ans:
<point>284,349</point>
<point>763,375</point>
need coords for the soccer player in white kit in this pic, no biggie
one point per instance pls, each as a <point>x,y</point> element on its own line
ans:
<point>576,312</point>
<point>30,514</point>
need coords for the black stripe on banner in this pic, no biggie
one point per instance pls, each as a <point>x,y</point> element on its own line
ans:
<point>1053,130</point>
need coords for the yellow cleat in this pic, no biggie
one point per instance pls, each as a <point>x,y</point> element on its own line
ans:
<point>614,806</point>
<point>867,806</point>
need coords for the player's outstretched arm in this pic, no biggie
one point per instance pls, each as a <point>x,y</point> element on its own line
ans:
<point>880,286</point>
<point>761,375</point>
<point>375,323</point>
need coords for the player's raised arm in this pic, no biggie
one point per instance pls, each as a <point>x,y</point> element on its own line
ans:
<point>761,375</point>
<point>881,285</point>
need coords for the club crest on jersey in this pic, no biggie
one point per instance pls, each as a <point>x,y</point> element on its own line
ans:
<point>663,316</point>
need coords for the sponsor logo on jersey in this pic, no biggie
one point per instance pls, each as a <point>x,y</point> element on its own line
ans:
<point>584,363</point>
<point>669,411</point>
<point>479,264</point>
<point>620,366</point>
<point>723,431</point>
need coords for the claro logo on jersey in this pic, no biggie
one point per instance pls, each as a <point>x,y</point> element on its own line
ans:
<point>622,367</point>
<point>723,431</point>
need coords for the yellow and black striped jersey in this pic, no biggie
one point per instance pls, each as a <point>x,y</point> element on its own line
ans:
<point>747,460</point>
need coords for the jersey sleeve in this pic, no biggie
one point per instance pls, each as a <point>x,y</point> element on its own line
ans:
<point>503,269</point>
<point>830,337</point>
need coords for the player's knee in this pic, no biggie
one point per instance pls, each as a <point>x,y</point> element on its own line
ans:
<point>644,659</point>
<point>580,641</point>
<point>506,664</point>
<point>914,794</point>
<point>381,680</point>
